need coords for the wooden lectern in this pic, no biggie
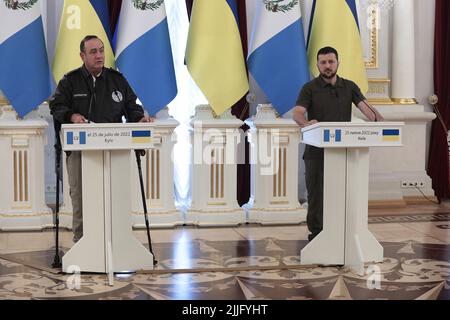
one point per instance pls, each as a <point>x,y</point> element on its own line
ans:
<point>345,238</point>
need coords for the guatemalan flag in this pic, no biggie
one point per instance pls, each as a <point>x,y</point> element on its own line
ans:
<point>144,54</point>
<point>277,54</point>
<point>25,76</point>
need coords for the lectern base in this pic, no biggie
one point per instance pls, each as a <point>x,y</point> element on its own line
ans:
<point>108,244</point>
<point>136,257</point>
<point>358,251</point>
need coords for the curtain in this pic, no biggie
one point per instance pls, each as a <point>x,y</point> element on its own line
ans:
<point>438,165</point>
<point>114,10</point>
<point>241,110</point>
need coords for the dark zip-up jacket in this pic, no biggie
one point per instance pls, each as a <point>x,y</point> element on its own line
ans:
<point>106,102</point>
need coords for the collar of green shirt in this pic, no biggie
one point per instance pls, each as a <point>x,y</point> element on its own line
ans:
<point>339,82</point>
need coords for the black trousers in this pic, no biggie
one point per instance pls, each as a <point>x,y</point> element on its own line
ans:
<point>314,186</point>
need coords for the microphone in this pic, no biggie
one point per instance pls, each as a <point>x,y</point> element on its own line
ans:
<point>93,97</point>
<point>370,108</point>
<point>366,104</point>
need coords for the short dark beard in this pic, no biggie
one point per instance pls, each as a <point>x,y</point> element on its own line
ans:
<point>323,75</point>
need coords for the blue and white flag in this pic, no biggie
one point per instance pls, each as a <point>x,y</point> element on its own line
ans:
<point>76,138</point>
<point>144,54</point>
<point>277,54</point>
<point>25,77</point>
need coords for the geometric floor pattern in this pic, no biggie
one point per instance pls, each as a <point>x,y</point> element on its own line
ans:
<point>416,266</point>
<point>409,271</point>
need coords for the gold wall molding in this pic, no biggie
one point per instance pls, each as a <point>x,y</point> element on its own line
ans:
<point>4,101</point>
<point>407,101</point>
<point>280,202</point>
<point>372,61</point>
<point>385,102</point>
<point>24,215</point>
<point>379,88</point>
<point>139,214</point>
<point>217,203</point>
<point>380,80</point>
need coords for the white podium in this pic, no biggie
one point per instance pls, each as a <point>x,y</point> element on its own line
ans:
<point>345,238</point>
<point>108,244</point>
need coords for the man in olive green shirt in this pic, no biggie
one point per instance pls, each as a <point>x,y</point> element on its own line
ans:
<point>325,98</point>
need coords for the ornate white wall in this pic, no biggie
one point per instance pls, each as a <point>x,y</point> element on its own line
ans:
<point>379,40</point>
<point>22,202</point>
<point>386,174</point>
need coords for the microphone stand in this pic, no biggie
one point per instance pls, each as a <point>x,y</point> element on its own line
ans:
<point>370,108</point>
<point>93,97</point>
<point>58,150</point>
<point>138,154</point>
<point>366,104</point>
<point>144,203</point>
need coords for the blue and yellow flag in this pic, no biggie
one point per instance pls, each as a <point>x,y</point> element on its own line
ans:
<point>214,54</point>
<point>335,23</point>
<point>79,19</point>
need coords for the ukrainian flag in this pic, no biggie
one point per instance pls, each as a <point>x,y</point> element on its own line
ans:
<point>141,136</point>
<point>391,135</point>
<point>79,19</point>
<point>335,23</point>
<point>214,54</point>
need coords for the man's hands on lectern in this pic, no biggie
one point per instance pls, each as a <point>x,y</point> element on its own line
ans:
<point>311,122</point>
<point>147,119</point>
<point>77,118</point>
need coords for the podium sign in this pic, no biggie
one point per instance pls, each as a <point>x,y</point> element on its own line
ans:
<point>345,238</point>
<point>106,136</point>
<point>108,244</point>
<point>353,134</point>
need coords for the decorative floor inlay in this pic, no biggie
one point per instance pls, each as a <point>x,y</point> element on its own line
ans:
<point>410,270</point>
<point>411,218</point>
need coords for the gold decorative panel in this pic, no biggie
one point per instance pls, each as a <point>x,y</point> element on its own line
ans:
<point>373,23</point>
<point>217,172</point>
<point>20,177</point>
<point>153,174</point>
<point>280,175</point>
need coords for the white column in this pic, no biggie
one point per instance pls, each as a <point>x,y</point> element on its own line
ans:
<point>157,170</point>
<point>274,144</point>
<point>214,144</point>
<point>403,53</point>
<point>22,196</point>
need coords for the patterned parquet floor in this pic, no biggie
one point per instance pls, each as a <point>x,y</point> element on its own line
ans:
<point>248,262</point>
